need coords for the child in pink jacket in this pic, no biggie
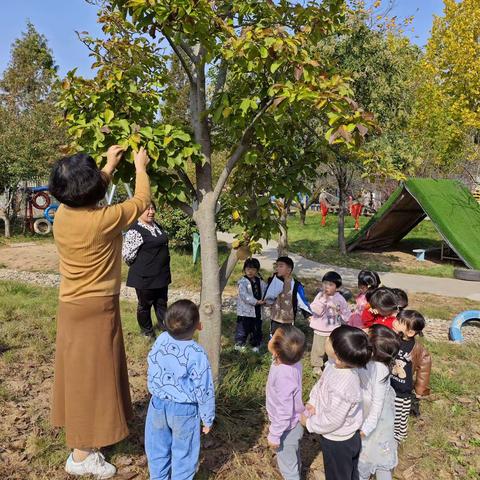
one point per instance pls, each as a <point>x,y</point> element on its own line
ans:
<point>330,310</point>
<point>367,282</point>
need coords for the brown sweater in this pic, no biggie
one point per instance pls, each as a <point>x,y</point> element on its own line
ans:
<point>89,243</point>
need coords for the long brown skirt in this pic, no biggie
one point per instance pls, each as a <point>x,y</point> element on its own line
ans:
<point>91,394</point>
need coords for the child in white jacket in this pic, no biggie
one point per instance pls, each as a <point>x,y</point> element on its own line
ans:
<point>335,403</point>
<point>379,447</point>
<point>251,289</point>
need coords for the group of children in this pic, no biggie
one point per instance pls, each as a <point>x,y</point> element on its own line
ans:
<point>368,360</point>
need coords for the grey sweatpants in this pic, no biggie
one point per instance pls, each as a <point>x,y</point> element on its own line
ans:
<point>288,454</point>
<point>380,475</point>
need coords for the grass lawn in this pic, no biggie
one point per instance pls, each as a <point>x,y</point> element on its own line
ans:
<point>443,443</point>
<point>320,244</point>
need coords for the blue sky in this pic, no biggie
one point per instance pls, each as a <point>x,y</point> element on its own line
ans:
<point>58,20</point>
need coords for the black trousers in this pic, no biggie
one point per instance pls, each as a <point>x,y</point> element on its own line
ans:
<point>156,298</point>
<point>249,326</point>
<point>340,459</point>
<point>274,325</point>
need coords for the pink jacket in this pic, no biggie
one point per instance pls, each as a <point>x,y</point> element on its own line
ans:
<point>329,312</point>
<point>355,319</point>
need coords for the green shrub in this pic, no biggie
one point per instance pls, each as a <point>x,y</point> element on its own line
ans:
<point>178,225</point>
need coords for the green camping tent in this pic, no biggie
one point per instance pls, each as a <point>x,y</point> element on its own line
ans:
<point>449,205</point>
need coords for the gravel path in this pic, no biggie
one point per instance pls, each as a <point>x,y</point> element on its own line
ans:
<point>436,329</point>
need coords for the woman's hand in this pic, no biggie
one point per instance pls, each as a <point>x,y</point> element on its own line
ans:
<point>141,160</point>
<point>206,430</point>
<point>114,155</point>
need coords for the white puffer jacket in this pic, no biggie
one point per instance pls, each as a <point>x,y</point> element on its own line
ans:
<point>246,301</point>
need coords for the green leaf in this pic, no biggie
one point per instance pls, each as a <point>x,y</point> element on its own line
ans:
<point>245,105</point>
<point>275,66</point>
<point>152,150</point>
<point>108,115</point>
<point>124,125</point>
<point>180,135</point>
<point>263,52</point>
<point>147,132</point>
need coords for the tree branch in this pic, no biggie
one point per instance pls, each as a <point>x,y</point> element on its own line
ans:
<point>186,67</point>
<point>186,180</point>
<point>183,206</point>
<point>239,151</point>
<point>188,51</point>
<point>221,79</point>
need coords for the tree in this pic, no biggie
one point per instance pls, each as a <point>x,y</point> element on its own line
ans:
<point>29,135</point>
<point>381,63</point>
<point>446,123</point>
<point>263,62</point>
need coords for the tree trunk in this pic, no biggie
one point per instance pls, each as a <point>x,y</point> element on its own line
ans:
<point>341,217</point>
<point>6,220</point>
<point>210,299</point>
<point>282,247</point>
<point>227,268</point>
<point>303,215</point>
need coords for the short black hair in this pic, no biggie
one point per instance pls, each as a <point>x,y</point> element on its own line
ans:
<point>287,261</point>
<point>351,346</point>
<point>333,277</point>
<point>289,344</point>
<point>385,345</point>
<point>369,279</point>
<point>251,263</point>
<point>181,319</point>
<point>402,298</point>
<point>383,298</point>
<point>76,181</point>
<point>413,320</point>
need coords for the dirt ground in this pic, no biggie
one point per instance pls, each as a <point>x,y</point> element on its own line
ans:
<point>30,256</point>
<point>43,257</point>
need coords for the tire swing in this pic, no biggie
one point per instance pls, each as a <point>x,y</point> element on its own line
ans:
<point>455,330</point>
<point>42,226</point>
<point>41,200</point>
<point>49,213</point>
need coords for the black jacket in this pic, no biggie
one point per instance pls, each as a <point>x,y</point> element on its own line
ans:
<point>151,267</point>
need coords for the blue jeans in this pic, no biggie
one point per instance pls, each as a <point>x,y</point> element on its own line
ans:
<point>172,439</point>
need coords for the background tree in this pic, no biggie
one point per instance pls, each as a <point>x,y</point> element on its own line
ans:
<point>446,125</point>
<point>265,63</point>
<point>29,134</point>
<point>381,64</point>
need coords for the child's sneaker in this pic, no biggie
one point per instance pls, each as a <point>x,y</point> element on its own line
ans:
<point>94,464</point>
<point>255,350</point>
<point>240,348</point>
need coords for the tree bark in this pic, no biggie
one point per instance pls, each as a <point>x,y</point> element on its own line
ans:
<point>227,268</point>
<point>6,221</point>
<point>210,298</point>
<point>282,247</point>
<point>303,215</point>
<point>342,194</point>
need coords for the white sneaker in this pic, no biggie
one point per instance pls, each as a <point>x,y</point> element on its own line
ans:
<point>255,350</point>
<point>240,348</point>
<point>94,464</point>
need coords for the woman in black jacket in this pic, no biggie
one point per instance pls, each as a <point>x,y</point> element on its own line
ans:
<point>145,250</point>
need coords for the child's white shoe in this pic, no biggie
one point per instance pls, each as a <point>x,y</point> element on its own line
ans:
<point>94,464</point>
<point>240,348</point>
<point>255,350</point>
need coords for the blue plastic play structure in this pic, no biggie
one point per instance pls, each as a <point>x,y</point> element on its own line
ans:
<point>455,330</point>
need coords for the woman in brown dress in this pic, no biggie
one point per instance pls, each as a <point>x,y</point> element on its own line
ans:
<point>91,395</point>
